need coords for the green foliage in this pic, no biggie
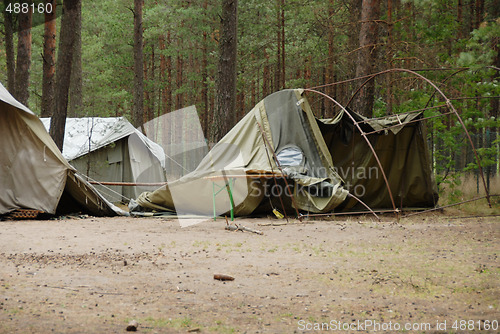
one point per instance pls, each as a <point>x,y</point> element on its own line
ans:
<point>319,36</point>
<point>482,47</point>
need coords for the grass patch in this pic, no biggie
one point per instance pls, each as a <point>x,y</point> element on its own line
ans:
<point>220,327</point>
<point>184,323</point>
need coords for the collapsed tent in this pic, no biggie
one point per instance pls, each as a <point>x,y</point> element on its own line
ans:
<point>33,173</point>
<point>280,154</point>
<point>400,146</point>
<point>111,150</point>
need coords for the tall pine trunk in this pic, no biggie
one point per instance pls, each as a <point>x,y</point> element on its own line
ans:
<point>76,83</point>
<point>224,116</point>
<point>366,60</point>
<point>277,73</point>
<point>23,63</point>
<point>9,49</point>
<point>283,55</point>
<point>204,79</point>
<point>49,62</point>
<point>63,70</point>
<point>389,53</point>
<point>138,108</point>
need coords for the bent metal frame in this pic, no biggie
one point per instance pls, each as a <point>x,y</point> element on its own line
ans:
<point>447,103</point>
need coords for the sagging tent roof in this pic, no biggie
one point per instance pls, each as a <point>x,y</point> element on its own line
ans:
<point>400,144</point>
<point>110,149</point>
<point>304,146</point>
<point>33,172</point>
<point>88,134</point>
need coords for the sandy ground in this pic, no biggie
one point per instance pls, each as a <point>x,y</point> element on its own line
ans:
<point>94,275</point>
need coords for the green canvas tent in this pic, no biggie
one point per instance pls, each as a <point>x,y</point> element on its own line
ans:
<point>111,149</point>
<point>400,146</point>
<point>33,173</point>
<point>314,156</point>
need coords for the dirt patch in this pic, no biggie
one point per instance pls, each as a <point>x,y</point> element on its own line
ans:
<point>97,274</point>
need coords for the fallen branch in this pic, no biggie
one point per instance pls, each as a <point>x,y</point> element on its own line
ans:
<point>235,227</point>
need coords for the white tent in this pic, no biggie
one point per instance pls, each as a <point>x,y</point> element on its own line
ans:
<point>111,150</point>
<point>33,172</point>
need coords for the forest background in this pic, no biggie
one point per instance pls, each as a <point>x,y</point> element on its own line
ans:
<point>280,44</point>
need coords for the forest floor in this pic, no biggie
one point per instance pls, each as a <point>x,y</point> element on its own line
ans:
<point>429,273</point>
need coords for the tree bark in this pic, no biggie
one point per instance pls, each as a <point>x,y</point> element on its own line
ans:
<point>479,12</point>
<point>179,98</point>
<point>9,49</point>
<point>353,34</point>
<point>63,70</point>
<point>460,19</point>
<point>266,76</point>
<point>23,63</point>
<point>283,55</point>
<point>277,73</point>
<point>279,76</point>
<point>49,62</point>
<point>138,108</point>
<point>389,57</point>
<point>163,75</point>
<point>76,83</point>
<point>366,59</point>
<point>224,116</point>
<point>169,77</point>
<point>330,72</point>
<point>146,91</point>
<point>204,78</point>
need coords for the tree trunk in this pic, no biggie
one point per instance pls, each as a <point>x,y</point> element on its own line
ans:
<point>277,73</point>
<point>9,49</point>
<point>204,79</point>
<point>266,76</point>
<point>352,34</point>
<point>63,70</point>
<point>331,54</point>
<point>163,74</point>
<point>49,62</point>
<point>365,64</point>
<point>138,108</point>
<point>146,91</point>
<point>283,73</point>
<point>389,53</point>
<point>169,77</point>
<point>76,83</point>
<point>179,98</point>
<point>479,12</point>
<point>23,63</point>
<point>224,116</point>
<point>460,19</point>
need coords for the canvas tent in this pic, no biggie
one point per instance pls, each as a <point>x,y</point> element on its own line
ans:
<point>314,154</point>
<point>110,149</point>
<point>402,150</point>
<point>33,172</point>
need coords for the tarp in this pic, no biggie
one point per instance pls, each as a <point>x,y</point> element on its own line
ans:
<point>403,153</point>
<point>110,149</point>
<point>33,172</point>
<point>323,161</point>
